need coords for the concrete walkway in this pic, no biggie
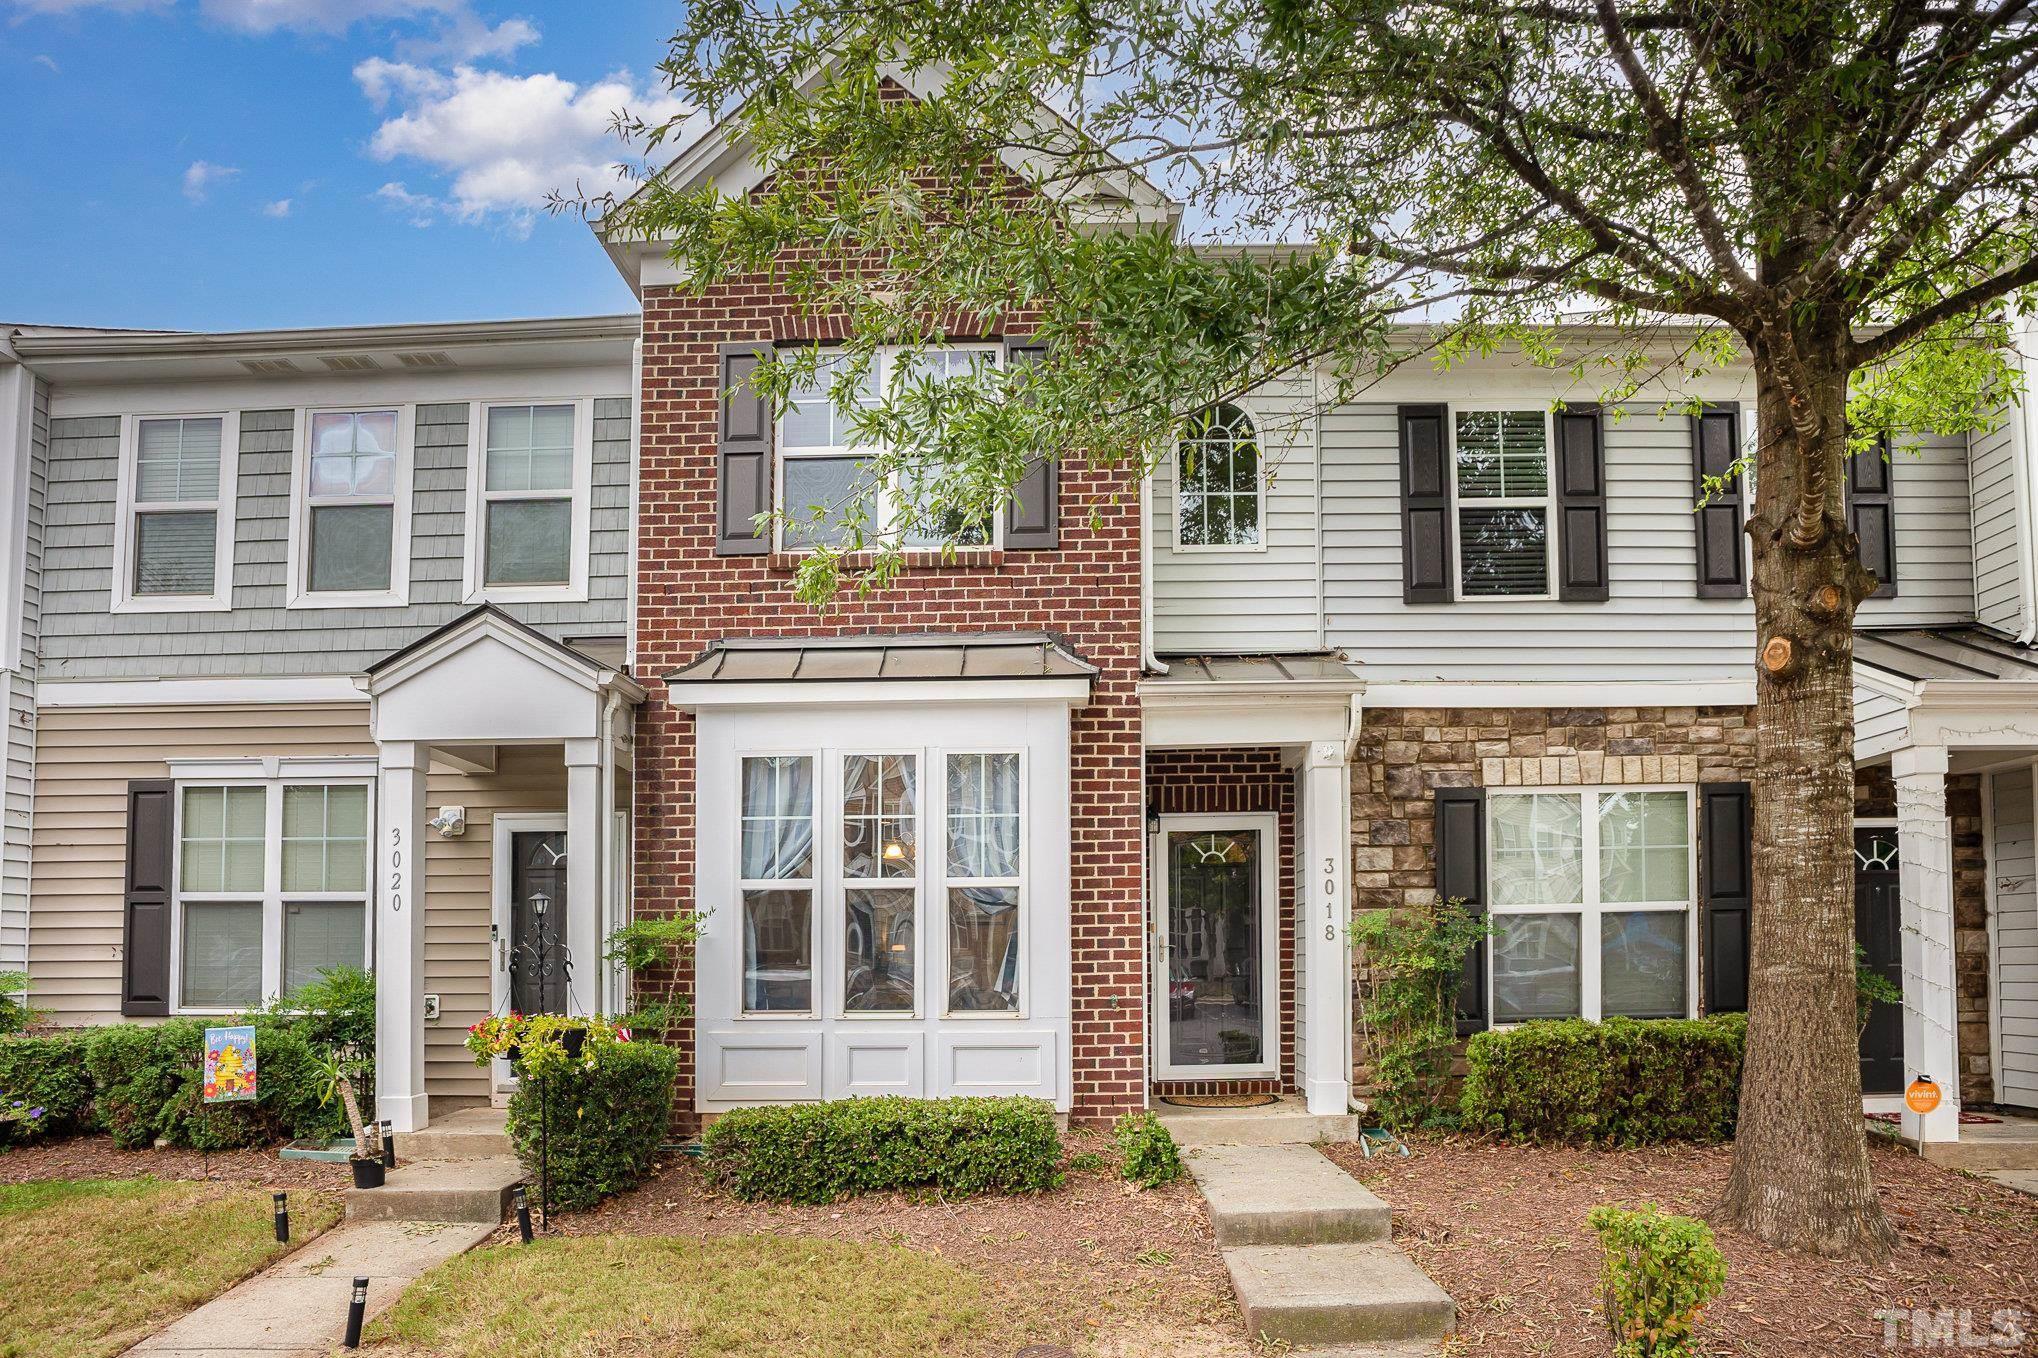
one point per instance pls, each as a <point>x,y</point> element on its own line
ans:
<point>299,1306</point>
<point>1310,1258</point>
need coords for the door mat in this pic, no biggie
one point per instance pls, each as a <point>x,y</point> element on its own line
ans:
<point>1220,1100</point>
<point>1966,1119</point>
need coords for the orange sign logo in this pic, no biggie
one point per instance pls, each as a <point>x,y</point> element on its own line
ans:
<point>1922,1096</point>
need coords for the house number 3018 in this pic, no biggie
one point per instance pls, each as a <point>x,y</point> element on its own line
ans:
<point>395,868</point>
<point>1330,900</point>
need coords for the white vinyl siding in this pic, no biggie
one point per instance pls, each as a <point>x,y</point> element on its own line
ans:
<point>1993,486</point>
<point>2014,985</point>
<point>1247,600</point>
<point>1933,510</point>
<point>1652,627</point>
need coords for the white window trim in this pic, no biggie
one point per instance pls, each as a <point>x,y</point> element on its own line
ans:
<point>881,374</point>
<point>271,896</point>
<point>827,888</point>
<point>1547,502</point>
<point>473,589</point>
<point>1259,543</point>
<point>301,595</point>
<point>223,505</point>
<point>1590,909</point>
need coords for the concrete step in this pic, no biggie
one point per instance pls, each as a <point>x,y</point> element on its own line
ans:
<point>1364,1293</point>
<point>439,1190</point>
<point>1990,1146</point>
<point>1287,1123</point>
<point>470,1134</point>
<point>1284,1195</point>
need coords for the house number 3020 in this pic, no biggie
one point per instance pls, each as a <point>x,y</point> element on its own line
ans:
<point>395,868</point>
<point>1330,900</point>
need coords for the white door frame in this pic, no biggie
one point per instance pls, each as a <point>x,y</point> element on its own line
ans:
<point>1268,825</point>
<point>508,824</point>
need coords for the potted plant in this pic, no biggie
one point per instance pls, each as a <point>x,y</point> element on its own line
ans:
<point>337,1070</point>
<point>498,1035</point>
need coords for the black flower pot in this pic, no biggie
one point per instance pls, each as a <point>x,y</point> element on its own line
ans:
<point>513,1053</point>
<point>572,1040</point>
<point>367,1173</point>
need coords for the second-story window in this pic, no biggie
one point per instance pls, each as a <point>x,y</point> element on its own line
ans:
<point>176,537</point>
<point>1502,467</point>
<point>1217,479</point>
<point>529,501</point>
<point>824,465</point>
<point>355,481</point>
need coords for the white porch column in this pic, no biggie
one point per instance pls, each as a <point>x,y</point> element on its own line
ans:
<point>1326,960</point>
<point>1925,856</point>
<point>584,841</point>
<point>400,936</point>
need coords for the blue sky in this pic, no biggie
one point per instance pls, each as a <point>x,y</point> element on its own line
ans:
<point>219,164</point>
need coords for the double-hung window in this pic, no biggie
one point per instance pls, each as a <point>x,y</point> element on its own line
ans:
<point>1592,902</point>
<point>824,464</point>
<point>528,501</point>
<point>350,546</point>
<point>1217,482</point>
<point>850,930</point>
<point>175,540</point>
<point>272,888</point>
<point>1501,469</point>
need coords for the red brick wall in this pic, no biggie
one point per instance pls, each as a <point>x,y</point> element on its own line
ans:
<point>1087,591</point>
<point>1238,782</point>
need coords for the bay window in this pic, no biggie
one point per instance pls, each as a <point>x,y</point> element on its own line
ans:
<point>1501,471</point>
<point>824,462</point>
<point>272,889</point>
<point>983,800</point>
<point>777,884</point>
<point>1592,900</point>
<point>174,541</point>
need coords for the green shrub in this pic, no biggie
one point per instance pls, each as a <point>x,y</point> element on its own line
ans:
<point>818,1152</point>
<point>150,1083</point>
<point>46,1074</point>
<point>336,1010</point>
<point>14,1010</point>
<point>1623,1082</point>
<point>1146,1151</point>
<point>1661,1271</point>
<point>1413,959</point>
<point>599,1120</point>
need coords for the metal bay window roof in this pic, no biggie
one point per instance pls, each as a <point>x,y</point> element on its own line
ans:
<point>925,657</point>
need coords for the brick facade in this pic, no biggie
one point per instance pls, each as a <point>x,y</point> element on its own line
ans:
<point>1875,796</point>
<point>1087,591</point>
<point>1238,782</point>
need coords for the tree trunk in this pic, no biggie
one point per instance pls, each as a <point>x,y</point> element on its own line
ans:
<point>1800,1173</point>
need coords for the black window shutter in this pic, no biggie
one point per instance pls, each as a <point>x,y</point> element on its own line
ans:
<point>1033,514</point>
<point>743,472</point>
<point>145,930</point>
<point>1581,505</point>
<point>1726,886</point>
<point>1872,515</point>
<point>1461,876</point>
<point>1425,506</point>
<point>1715,444</point>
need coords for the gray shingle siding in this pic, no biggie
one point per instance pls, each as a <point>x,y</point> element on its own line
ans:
<point>84,639</point>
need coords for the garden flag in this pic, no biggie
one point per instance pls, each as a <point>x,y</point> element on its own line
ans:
<point>229,1065</point>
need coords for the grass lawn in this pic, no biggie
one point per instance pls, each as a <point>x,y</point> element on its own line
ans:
<point>731,1297</point>
<point>93,1265</point>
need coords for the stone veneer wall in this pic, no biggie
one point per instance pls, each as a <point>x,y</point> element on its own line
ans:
<point>1875,796</point>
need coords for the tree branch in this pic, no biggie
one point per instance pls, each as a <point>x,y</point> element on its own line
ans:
<point>1971,298</point>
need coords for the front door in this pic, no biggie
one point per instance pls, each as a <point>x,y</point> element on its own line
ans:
<point>1878,929</point>
<point>1217,965</point>
<point>538,965</point>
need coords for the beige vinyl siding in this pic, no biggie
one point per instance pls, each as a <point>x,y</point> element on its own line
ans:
<point>458,905</point>
<point>1993,487</point>
<point>85,760</point>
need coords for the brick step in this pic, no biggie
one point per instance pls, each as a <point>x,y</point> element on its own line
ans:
<point>1346,1294</point>
<point>439,1190</point>
<point>1284,1195</point>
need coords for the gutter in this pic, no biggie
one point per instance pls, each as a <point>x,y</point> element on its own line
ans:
<point>323,340</point>
<point>2026,447</point>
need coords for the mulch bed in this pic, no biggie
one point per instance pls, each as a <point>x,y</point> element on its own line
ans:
<point>1502,1229</point>
<point>1096,1266</point>
<point>96,1157</point>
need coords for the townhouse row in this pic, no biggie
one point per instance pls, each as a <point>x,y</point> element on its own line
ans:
<point>447,649</point>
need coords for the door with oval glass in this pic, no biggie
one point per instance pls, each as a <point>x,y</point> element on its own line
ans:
<point>532,971</point>
<point>1217,958</point>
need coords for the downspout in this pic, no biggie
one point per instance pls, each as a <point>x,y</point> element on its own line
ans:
<point>1149,663</point>
<point>636,473</point>
<point>2027,494</point>
<point>605,804</point>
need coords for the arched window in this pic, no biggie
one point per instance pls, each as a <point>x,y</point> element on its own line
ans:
<point>1217,475</point>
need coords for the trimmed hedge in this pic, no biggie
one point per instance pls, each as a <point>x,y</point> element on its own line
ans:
<point>600,1120</point>
<point>150,1083</point>
<point>1621,1082</point>
<point>47,1073</point>
<point>819,1152</point>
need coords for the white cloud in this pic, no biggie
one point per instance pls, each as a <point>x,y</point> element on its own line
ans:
<point>67,6</point>
<point>421,208</point>
<point>464,36</point>
<point>280,208</point>
<point>316,16</point>
<point>455,33</point>
<point>202,175</point>
<point>45,59</point>
<point>504,142</point>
